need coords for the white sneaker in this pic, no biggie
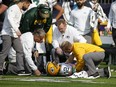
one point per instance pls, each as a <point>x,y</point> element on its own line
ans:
<point>73,76</point>
<point>82,74</point>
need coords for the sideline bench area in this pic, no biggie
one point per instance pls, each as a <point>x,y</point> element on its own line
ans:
<point>108,45</point>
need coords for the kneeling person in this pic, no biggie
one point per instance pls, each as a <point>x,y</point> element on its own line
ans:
<point>88,57</point>
<point>28,41</point>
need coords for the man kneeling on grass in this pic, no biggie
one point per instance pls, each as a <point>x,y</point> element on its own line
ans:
<point>28,40</point>
<point>88,57</point>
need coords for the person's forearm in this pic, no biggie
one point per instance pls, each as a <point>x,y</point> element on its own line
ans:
<point>2,8</point>
<point>70,59</point>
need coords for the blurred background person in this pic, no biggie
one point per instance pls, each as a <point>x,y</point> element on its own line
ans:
<point>101,18</point>
<point>112,21</point>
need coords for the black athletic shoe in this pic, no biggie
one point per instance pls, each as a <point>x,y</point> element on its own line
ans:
<point>107,72</point>
<point>94,76</point>
<point>22,73</point>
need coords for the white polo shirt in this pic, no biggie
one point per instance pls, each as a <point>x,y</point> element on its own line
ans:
<point>80,19</point>
<point>12,21</point>
<point>27,41</point>
<point>71,35</point>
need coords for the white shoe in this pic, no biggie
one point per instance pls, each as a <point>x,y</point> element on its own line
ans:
<point>82,74</point>
<point>92,77</point>
<point>73,76</point>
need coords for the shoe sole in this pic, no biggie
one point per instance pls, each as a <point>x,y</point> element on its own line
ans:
<point>24,74</point>
<point>93,77</point>
<point>71,77</point>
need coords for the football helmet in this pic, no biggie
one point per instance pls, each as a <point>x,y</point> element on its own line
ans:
<point>66,69</point>
<point>52,69</point>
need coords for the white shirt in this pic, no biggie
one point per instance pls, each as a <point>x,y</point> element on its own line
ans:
<point>12,21</point>
<point>80,19</point>
<point>27,41</point>
<point>112,16</point>
<point>70,35</point>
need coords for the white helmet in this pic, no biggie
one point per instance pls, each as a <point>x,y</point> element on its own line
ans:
<point>66,69</point>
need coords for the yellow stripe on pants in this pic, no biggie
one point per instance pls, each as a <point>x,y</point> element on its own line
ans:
<point>49,35</point>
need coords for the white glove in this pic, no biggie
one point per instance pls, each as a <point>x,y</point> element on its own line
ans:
<point>53,21</point>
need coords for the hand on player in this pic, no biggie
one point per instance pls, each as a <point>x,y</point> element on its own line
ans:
<point>59,51</point>
<point>37,72</point>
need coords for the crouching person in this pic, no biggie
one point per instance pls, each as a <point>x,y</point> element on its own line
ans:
<point>28,41</point>
<point>88,57</point>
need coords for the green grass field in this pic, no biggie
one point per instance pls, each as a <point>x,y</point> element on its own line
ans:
<point>31,81</point>
<point>47,81</point>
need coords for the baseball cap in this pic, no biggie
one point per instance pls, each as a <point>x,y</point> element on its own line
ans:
<point>44,10</point>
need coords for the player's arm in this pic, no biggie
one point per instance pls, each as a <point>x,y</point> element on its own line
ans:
<point>70,59</point>
<point>60,11</point>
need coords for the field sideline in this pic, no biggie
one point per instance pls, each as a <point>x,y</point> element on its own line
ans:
<point>47,81</point>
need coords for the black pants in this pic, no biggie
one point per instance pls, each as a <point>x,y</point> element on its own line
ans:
<point>114,35</point>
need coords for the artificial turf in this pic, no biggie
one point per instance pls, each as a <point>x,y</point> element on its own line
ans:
<point>58,81</point>
<point>47,81</point>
